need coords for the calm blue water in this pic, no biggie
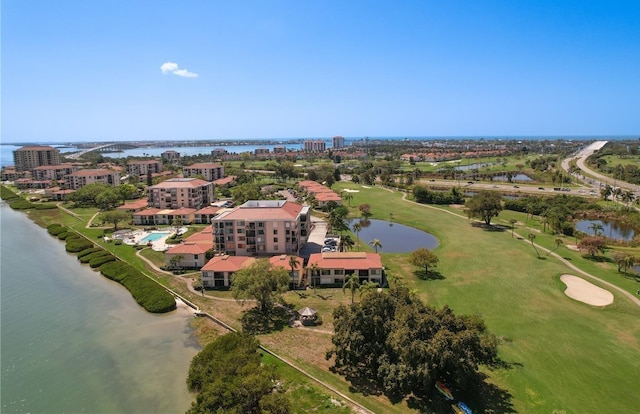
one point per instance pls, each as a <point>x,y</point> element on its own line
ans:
<point>394,237</point>
<point>611,229</point>
<point>154,237</point>
<point>75,342</point>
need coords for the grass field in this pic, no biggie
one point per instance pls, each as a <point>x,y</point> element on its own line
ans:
<point>561,355</point>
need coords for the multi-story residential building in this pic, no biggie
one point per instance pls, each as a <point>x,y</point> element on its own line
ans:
<point>315,145</point>
<point>141,168</point>
<point>218,152</point>
<point>279,149</point>
<point>209,171</point>
<point>80,178</point>
<point>262,227</point>
<point>31,157</point>
<point>333,268</point>
<point>337,142</point>
<point>188,255</point>
<point>181,192</point>
<point>54,172</point>
<point>261,151</point>
<point>171,156</point>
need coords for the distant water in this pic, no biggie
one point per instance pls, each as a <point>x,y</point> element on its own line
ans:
<point>75,342</point>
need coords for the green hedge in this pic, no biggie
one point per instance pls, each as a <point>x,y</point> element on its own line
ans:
<point>7,194</point>
<point>99,261</point>
<point>55,229</point>
<point>146,292</point>
<point>88,258</point>
<point>20,204</point>
<point>89,251</point>
<point>77,243</point>
<point>64,235</point>
<point>45,206</point>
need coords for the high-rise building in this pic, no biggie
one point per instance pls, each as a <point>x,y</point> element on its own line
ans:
<point>337,142</point>
<point>317,145</point>
<point>31,157</point>
<point>181,192</point>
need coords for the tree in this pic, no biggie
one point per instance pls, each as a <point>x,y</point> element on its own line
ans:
<point>346,243</point>
<point>315,273</point>
<point>356,229</point>
<point>597,228</point>
<point>401,346</point>
<point>592,245</point>
<point>114,217</point>
<point>423,257</point>
<point>375,243</point>
<point>513,225</point>
<point>352,283</point>
<point>127,192</point>
<point>245,192</point>
<point>177,223</point>
<point>175,261</point>
<point>559,243</point>
<point>531,238</point>
<point>230,376</point>
<point>365,210</point>
<point>261,282</point>
<point>107,199</point>
<point>623,260</point>
<point>485,205</point>
<point>293,264</point>
<point>346,195</point>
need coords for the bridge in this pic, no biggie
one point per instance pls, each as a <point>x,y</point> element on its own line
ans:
<point>109,147</point>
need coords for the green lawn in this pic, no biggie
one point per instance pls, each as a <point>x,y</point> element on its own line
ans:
<point>564,355</point>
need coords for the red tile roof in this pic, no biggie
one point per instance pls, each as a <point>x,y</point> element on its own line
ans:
<point>283,261</point>
<point>190,248</point>
<point>345,260</point>
<point>228,263</point>
<point>208,210</point>
<point>147,212</point>
<point>91,172</point>
<point>225,180</point>
<point>181,183</point>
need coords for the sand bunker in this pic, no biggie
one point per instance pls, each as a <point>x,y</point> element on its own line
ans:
<point>348,190</point>
<point>580,289</point>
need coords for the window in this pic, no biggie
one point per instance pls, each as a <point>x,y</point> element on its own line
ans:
<point>195,257</point>
<point>275,240</point>
<point>325,272</point>
<point>275,231</point>
<point>240,246</point>
<point>239,231</point>
<point>338,272</point>
<point>374,271</point>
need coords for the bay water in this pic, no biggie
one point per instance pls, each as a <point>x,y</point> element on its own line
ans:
<point>73,341</point>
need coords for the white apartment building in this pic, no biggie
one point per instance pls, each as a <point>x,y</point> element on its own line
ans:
<point>80,178</point>
<point>181,192</point>
<point>210,171</point>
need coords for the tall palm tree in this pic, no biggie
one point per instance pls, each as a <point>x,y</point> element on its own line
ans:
<point>352,283</point>
<point>531,237</point>
<point>356,229</point>
<point>513,224</point>
<point>293,263</point>
<point>314,272</point>
<point>375,243</point>
<point>346,243</point>
<point>628,197</point>
<point>559,243</point>
<point>347,196</point>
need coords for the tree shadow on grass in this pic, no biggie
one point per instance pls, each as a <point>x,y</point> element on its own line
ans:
<point>256,322</point>
<point>430,275</point>
<point>490,227</point>
<point>597,259</point>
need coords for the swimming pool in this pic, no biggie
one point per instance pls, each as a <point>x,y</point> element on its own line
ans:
<point>153,237</point>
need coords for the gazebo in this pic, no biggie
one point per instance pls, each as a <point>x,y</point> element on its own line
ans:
<point>308,315</point>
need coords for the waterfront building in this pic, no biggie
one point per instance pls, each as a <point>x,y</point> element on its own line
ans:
<point>208,171</point>
<point>141,168</point>
<point>191,255</point>
<point>181,192</point>
<point>80,178</point>
<point>262,227</point>
<point>279,150</point>
<point>30,157</point>
<point>315,145</point>
<point>54,172</point>
<point>218,271</point>
<point>337,142</point>
<point>261,151</point>
<point>171,156</point>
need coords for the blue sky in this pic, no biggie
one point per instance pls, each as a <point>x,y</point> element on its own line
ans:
<point>77,70</point>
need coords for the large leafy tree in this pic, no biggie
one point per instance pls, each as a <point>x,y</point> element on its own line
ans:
<point>484,205</point>
<point>229,377</point>
<point>261,282</point>
<point>398,344</point>
<point>423,257</point>
<point>114,217</point>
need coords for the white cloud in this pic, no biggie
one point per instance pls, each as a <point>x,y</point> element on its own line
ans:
<point>171,67</point>
<point>185,73</point>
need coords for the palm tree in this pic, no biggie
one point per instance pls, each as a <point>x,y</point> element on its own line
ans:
<point>346,242</point>
<point>513,223</point>
<point>597,228</point>
<point>559,243</point>
<point>531,237</point>
<point>314,272</point>
<point>347,196</point>
<point>352,283</point>
<point>628,197</point>
<point>175,261</point>
<point>375,243</point>
<point>293,263</point>
<point>356,229</point>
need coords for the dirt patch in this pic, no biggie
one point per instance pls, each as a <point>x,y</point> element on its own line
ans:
<point>580,289</point>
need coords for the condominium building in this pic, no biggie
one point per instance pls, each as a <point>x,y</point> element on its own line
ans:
<point>209,171</point>
<point>333,268</point>
<point>141,168</point>
<point>181,192</point>
<point>80,178</point>
<point>337,142</point>
<point>262,227</point>
<point>31,157</point>
<point>171,156</point>
<point>54,172</point>
<point>315,145</point>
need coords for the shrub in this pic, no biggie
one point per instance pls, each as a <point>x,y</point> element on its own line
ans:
<point>88,258</point>
<point>6,194</point>
<point>99,261</point>
<point>55,228</point>
<point>118,242</point>
<point>45,206</point>
<point>20,204</point>
<point>89,251</point>
<point>150,295</point>
<point>63,235</point>
<point>77,243</point>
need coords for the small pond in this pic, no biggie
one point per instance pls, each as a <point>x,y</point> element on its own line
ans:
<point>394,237</point>
<point>517,177</point>
<point>472,166</point>
<point>610,229</point>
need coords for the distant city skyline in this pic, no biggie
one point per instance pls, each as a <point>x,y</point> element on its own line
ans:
<point>99,71</point>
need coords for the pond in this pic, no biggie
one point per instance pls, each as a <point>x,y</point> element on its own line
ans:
<point>517,177</point>
<point>610,229</point>
<point>394,237</point>
<point>472,166</point>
